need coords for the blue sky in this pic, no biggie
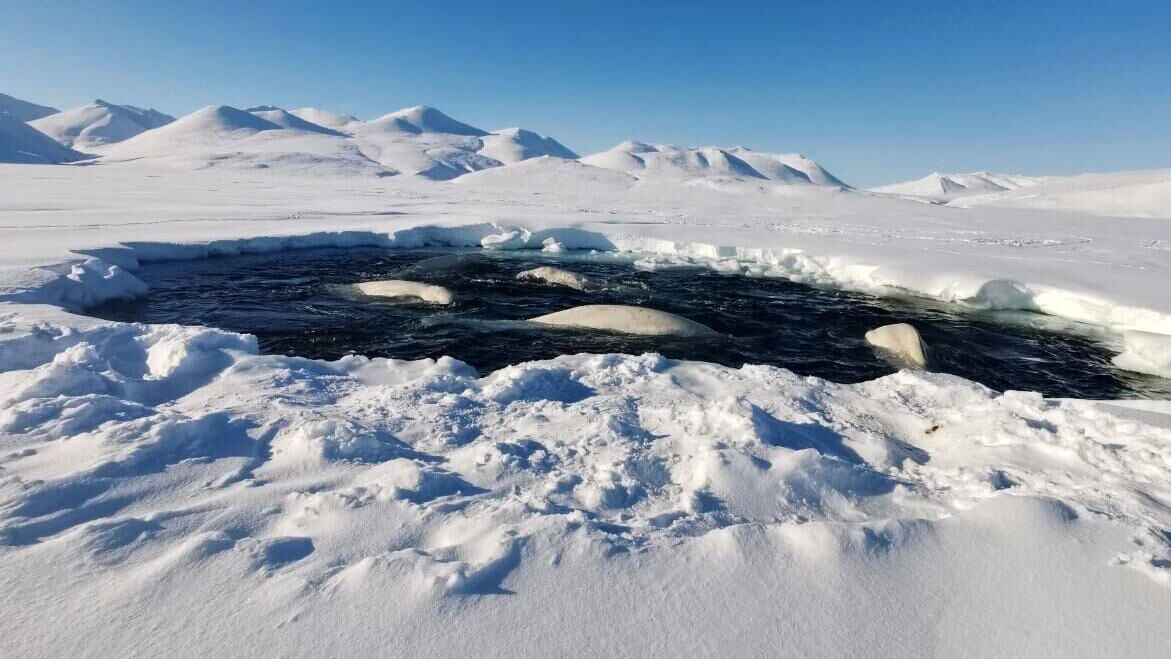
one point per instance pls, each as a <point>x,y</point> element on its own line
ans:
<point>876,91</point>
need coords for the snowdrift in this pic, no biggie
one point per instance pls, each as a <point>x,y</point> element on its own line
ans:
<point>149,469</point>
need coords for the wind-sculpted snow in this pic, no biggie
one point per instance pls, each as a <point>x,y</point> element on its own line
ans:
<point>139,461</point>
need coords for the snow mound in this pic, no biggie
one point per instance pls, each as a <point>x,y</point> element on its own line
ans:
<point>99,123</point>
<point>23,144</point>
<point>24,110</point>
<point>949,186</point>
<point>399,288</point>
<point>511,145</point>
<point>421,119</point>
<point>286,119</point>
<point>625,319</point>
<point>324,117</point>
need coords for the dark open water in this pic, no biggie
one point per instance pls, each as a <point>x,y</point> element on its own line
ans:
<point>298,302</point>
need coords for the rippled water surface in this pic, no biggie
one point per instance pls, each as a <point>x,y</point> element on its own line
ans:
<point>300,303</point>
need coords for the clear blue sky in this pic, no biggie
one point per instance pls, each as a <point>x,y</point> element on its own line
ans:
<point>876,91</point>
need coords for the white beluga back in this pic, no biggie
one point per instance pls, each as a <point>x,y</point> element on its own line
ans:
<point>399,288</point>
<point>554,275</point>
<point>900,341</point>
<point>626,320</point>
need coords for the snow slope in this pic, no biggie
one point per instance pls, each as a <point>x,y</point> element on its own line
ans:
<point>672,162</point>
<point>324,117</point>
<point>23,110</point>
<point>21,143</point>
<point>288,120</point>
<point>951,186</point>
<point>510,145</point>
<point>787,167</point>
<point>420,140</point>
<point>222,136</point>
<point>1136,194</point>
<point>99,123</point>
<point>422,119</point>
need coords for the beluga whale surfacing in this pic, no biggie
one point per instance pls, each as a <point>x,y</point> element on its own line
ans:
<point>625,319</point>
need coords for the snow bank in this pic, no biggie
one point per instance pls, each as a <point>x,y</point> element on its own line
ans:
<point>148,468</point>
<point>1145,352</point>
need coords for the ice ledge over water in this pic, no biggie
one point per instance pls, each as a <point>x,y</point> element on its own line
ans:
<point>107,274</point>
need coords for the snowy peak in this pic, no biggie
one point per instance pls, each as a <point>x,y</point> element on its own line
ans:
<point>99,123</point>
<point>938,185</point>
<point>671,161</point>
<point>289,121</point>
<point>423,119</point>
<point>324,117</point>
<point>643,160</point>
<point>22,110</point>
<point>793,167</point>
<point>510,145</point>
<point>23,144</point>
<point>216,120</point>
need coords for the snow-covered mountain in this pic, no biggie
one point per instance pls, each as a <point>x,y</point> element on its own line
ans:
<point>1129,194</point>
<point>949,186</point>
<point>420,140</point>
<point>223,136</point>
<point>669,161</point>
<point>22,110</point>
<point>324,117</point>
<point>21,143</point>
<point>787,166</point>
<point>99,123</point>
<point>510,145</point>
<point>421,119</point>
<point>286,119</point>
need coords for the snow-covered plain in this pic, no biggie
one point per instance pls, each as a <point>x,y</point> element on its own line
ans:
<point>168,490</point>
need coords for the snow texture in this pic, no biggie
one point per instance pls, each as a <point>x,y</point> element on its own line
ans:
<point>169,491</point>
